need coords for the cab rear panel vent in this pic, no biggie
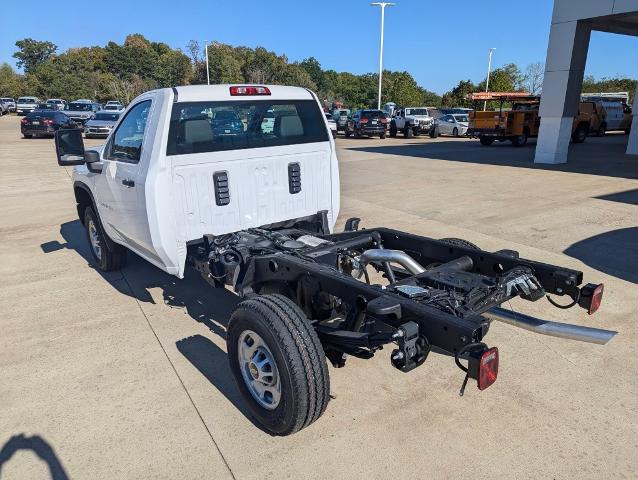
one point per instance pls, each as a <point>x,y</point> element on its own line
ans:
<point>294,178</point>
<point>222,189</point>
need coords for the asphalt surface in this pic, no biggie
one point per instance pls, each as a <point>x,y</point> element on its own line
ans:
<point>125,375</point>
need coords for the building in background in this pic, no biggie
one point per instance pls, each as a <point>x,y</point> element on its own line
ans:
<point>572,24</point>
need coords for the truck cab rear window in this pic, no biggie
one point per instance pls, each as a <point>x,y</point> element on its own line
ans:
<point>199,127</point>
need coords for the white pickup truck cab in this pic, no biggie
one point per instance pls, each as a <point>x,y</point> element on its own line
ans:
<point>195,160</point>
<point>241,183</point>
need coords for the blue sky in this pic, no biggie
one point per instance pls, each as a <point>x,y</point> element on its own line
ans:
<point>439,42</point>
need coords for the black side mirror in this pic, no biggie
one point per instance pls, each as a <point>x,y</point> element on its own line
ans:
<point>69,147</point>
<point>93,162</point>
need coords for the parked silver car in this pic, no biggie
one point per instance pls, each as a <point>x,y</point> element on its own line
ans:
<point>81,111</point>
<point>101,124</point>
<point>10,103</point>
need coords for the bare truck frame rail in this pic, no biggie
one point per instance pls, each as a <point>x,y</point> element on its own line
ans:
<point>438,295</point>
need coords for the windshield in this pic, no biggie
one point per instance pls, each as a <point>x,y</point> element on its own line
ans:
<point>198,127</point>
<point>329,116</point>
<point>226,116</point>
<point>111,117</point>
<point>372,114</point>
<point>416,111</point>
<point>80,107</point>
<point>344,113</point>
<point>26,100</point>
<point>461,118</point>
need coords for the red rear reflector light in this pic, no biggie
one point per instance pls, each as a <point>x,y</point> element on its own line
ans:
<point>24,120</point>
<point>384,120</point>
<point>246,91</point>
<point>596,299</point>
<point>363,120</point>
<point>488,368</point>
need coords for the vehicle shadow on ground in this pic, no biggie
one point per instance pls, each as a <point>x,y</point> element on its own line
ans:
<point>203,303</point>
<point>37,445</point>
<point>212,363</point>
<point>614,252</point>
<point>597,156</point>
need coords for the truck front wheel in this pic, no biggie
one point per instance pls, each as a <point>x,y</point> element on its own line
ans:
<point>108,255</point>
<point>278,363</point>
<point>393,129</point>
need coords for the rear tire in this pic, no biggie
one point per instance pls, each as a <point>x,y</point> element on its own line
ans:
<point>382,136</point>
<point>602,130</point>
<point>580,134</point>
<point>459,242</point>
<point>108,255</point>
<point>434,132</point>
<point>486,141</point>
<point>519,140</point>
<point>456,242</point>
<point>346,132</point>
<point>284,380</point>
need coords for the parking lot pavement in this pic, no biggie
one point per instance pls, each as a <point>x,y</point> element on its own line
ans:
<point>126,376</point>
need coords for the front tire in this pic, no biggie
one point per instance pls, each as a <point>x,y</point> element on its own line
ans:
<point>580,134</point>
<point>108,256</point>
<point>393,129</point>
<point>278,363</point>
<point>408,132</point>
<point>455,132</point>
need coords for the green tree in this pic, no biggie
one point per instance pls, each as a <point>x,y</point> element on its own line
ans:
<point>507,78</point>
<point>456,96</point>
<point>11,84</point>
<point>225,64</point>
<point>313,67</point>
<point>32,53</point>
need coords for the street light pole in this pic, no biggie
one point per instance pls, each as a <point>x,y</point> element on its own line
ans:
<point>487,82</point>
<point>207,72</point>
<point>382,5</point>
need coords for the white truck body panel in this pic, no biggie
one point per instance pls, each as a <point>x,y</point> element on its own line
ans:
<point>172,201</point>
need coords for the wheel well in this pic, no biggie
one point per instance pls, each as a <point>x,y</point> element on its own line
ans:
<point>83,199</point>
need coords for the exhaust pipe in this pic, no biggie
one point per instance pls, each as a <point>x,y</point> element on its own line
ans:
<point>394,256</point>
<point>553,329</point>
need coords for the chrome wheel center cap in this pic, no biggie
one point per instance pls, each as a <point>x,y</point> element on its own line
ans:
<point>254,371</point>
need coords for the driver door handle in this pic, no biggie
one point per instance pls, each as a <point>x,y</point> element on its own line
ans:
<point>128,183</point>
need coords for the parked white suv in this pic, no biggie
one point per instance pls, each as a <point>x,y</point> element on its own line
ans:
<point>26,105</point>
<point>412,121</point>
<point>10,103</point>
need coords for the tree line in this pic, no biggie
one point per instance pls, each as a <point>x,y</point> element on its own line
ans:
<point>124,71</point>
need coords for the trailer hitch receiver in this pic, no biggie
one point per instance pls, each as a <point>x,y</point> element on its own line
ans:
<point>413,348</point>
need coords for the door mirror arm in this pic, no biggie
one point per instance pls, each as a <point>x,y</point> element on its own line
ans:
<point>93,161</point>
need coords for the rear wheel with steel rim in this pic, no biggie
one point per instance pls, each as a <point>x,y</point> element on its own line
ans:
<point>259,369</point>
<point>278,363</point>
<point>107,254</point>
<point>455,132</point>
